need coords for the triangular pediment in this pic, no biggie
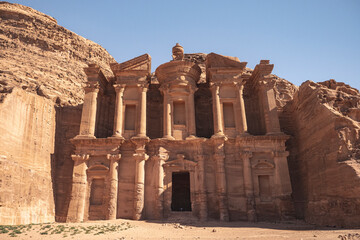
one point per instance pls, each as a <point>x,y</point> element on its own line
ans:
<point>214,60</point>
<point>141,63</point>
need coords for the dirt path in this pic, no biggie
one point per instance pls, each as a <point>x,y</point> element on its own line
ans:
<point>127,229</point>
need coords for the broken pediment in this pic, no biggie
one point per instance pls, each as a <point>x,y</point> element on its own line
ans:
<point>214,60</point>
<point>141,63</point>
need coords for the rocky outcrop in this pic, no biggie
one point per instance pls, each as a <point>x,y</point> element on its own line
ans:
<point>324,159</point>
<point>44,58</point>
<point>41,78</point>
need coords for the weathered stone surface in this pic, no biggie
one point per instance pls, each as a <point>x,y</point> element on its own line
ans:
<point>46,61</point>
<point>324,159</point>
<point>26,158</point>
<point>42,57</point>
<point>234,164</point>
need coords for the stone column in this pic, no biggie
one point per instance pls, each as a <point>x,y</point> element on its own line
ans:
<point>202,188</point>
<point>113,185</point>
<point>160,160</point>
<point>76,210</point>
<point>282,177</point>
<point>248,185</point>
<point>219,130</point>
<point>220,177</point>
<point>88,115</point>
<point>142,115</point>
<point>191,112</point>
<point>221,187</point>
<point>167,116</point>
<point>140,158</point>
<point>242,123</point>
<point>272,124</point>
<point>118,118</point>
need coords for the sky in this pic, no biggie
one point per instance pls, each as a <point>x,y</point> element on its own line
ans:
<point>313,40</point>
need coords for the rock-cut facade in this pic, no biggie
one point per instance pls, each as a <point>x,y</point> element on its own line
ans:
<point>201,135</point>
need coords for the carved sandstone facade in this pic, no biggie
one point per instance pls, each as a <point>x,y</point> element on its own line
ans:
<point>201,135</point>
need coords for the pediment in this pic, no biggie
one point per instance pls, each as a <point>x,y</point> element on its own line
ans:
<point>214,60</point>
<point>180,163</point>
<point>141,63</point>
<point>98,168</point>
<point>263,164</point>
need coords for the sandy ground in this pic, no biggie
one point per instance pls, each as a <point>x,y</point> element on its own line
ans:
<point>185,230</point>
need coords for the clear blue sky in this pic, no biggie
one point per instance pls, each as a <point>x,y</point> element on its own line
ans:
<point>305,39</point>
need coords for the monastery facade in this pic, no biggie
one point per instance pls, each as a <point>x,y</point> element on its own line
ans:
<point>201,135</point>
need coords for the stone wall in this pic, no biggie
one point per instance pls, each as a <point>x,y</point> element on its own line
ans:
<point>67,126</point>
<point>324,155</point>
<point>26,153</point>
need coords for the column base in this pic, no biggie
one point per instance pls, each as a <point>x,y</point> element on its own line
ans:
<point>191,137</point>
<point>244,134</point>
<point>274,133</point>
<point>168,137</point>
<point>140,137</point>
<point>118,136</point>
<point>218,136</point>
<point>85,137</point>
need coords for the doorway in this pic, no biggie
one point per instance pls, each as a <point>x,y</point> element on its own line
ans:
<point>180,200</point>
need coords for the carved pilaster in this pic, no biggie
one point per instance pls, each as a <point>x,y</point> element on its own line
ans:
<point>202,198</point>
<point>160,159</point>
<point>282,178</point>
<point>78,193</point>
<point>248,185</point>
<point>272,124</point>
<point>114,158</point>
<point>220,177</point>
<point>140,157</point>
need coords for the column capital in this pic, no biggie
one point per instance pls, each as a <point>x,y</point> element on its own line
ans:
<point>280,154</point>
<point>239,85</point>
<point>113,157</point>
<point>246,154</point>
<point>265,83</point>
<point>143,87</point>
<point>80,157</point>
<point>119,87</point>
<point>215,85</point>
<point>92,87</point>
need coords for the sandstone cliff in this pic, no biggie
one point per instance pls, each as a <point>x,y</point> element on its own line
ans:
<point>41,75</point>
<point>42,57</point>
<point>324,162</point>
<point>41,68</point>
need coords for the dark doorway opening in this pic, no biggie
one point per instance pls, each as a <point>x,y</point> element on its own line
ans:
<point>180,192</point>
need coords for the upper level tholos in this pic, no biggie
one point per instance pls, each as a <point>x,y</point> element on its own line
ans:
<point>194,95</point>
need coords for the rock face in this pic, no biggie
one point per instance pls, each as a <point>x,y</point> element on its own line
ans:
<point>41,96</point>
<point>26,153</point>
<point>42,57</point>
<point>325,152</point>
<point>41,69</point>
